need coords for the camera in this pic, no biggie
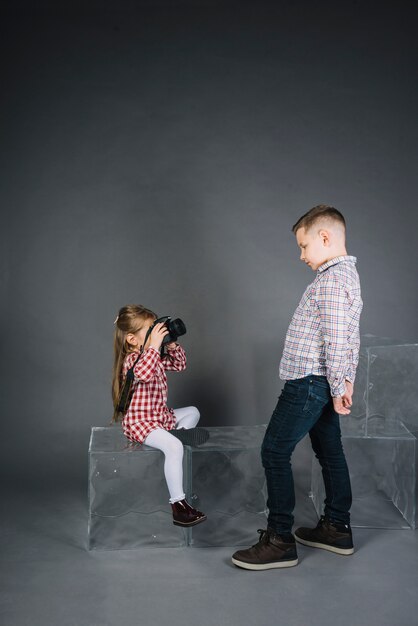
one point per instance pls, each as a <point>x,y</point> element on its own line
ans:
<point>175,328</point>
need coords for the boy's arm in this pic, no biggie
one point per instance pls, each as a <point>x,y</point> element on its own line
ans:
<point>332,301</point>
<point>175,359</point>
<point>353,358</point>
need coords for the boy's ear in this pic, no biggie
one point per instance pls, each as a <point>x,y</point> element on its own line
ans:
<point>324,234</point>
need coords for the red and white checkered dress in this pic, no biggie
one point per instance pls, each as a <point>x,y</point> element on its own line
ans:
<point>148,409</point>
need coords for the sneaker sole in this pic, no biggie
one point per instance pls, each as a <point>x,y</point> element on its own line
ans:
<point>185,524</point>
<point>191,436</point>
<point>324,546</point>
<point>263,566</point>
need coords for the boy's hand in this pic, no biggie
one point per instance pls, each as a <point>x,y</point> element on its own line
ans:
<point>348,392</point>
<point>342,403</point>
<point>339,406</point>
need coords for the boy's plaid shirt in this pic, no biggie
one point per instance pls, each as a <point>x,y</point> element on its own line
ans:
<point>323,337</point>
<point>148,409</point>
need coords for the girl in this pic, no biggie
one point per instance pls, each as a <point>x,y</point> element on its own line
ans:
<point>138,340</point>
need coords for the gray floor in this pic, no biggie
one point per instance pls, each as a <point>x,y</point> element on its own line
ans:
<point>49,578</point>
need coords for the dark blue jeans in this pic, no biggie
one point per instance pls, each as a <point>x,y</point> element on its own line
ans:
<point>305,406</point>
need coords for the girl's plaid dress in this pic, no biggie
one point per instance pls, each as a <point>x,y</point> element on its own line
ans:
<point>148,409</point>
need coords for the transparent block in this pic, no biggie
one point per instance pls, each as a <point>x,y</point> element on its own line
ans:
<point>228,484</point>
<point>382,471</point>
<point>357,420</point>
<point>128,495</point>
<point>393,389</point>
<point>385,385</point>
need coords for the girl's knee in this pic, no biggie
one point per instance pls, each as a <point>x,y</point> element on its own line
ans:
<point>195,413</point>
<point>187,417</point>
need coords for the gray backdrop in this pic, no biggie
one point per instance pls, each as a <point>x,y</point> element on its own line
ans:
<point>159,154</point>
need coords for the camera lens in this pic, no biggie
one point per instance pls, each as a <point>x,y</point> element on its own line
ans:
<point>175,328</point>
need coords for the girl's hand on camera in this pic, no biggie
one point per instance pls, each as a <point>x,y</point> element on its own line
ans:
<point>157,335</point>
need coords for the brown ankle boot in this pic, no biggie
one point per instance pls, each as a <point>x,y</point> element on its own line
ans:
<point>185,515</point>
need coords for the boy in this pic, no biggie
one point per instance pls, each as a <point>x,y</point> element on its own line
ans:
<point>319,362</point>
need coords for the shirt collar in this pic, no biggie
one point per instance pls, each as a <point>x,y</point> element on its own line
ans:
<point>335,260</point>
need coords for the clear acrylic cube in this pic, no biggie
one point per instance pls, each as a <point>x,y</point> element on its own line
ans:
<point>379,436</point>
<point>382,471</point>
<point>128,496</point>
<point>228,484</point>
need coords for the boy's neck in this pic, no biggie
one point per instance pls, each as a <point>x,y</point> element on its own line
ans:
<point>336,253</point>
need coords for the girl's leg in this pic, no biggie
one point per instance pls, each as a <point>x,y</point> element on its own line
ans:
<point>173,464</point>
<point>187,417</point>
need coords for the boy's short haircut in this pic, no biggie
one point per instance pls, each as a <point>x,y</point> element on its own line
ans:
<point>319,213</point>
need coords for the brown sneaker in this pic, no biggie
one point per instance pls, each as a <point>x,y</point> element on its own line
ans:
<point>328,536</point>
<point>186,515</point>
<point>271,551</point>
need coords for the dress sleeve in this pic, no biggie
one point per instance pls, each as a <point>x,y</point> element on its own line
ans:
<point>332,304</point>
<point>175,359</point>
<point>144,369</point>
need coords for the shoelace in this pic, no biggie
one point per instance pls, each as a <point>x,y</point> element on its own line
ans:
<point>264,537</point>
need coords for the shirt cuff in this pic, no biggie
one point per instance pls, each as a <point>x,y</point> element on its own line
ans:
<point>337,392</point>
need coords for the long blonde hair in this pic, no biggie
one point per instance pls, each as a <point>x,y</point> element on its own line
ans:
<point>130,319</point>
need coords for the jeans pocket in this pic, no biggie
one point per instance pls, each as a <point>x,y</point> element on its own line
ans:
<point>313,404</point>
<point>318,397</point>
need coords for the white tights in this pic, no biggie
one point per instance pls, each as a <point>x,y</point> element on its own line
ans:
<point>172,448</point>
